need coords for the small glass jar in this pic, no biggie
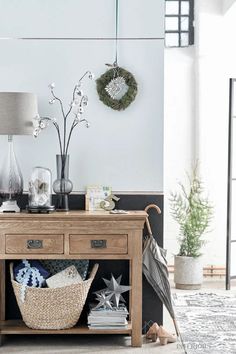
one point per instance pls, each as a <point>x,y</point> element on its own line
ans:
<point>40,188</point>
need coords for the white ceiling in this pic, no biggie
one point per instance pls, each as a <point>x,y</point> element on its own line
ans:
<point>227,4</point>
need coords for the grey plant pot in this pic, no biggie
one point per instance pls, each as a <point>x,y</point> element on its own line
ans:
<point>188,273</point>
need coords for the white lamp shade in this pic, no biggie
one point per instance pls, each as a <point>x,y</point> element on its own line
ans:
<point>17,111</point>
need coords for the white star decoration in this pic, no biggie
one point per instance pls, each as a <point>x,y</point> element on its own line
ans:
<point>115,289</point>
<point>104,300</point>
<point>115,87</point>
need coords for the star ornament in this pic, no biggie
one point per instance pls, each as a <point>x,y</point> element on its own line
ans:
<point>104,300</point>
<point>115,289</point>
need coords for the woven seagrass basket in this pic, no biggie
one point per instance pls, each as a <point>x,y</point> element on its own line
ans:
<point>52,308</point>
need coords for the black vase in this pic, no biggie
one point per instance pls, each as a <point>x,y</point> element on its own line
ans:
<point>62,186</point>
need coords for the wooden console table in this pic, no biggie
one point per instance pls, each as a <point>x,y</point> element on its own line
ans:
<point>74,235</point>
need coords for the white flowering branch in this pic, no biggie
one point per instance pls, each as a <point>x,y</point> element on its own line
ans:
<point>79,101</point>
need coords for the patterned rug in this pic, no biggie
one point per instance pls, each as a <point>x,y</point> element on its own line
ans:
<point>207,322</point>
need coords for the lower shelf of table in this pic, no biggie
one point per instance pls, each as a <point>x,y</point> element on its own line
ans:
<point>19,327</point>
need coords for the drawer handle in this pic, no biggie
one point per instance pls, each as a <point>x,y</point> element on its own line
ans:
<point>32,244</point>
<point>98,243</point>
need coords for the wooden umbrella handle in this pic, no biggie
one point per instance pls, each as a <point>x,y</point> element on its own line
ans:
<point>147,221</point>
<point>153,206</point>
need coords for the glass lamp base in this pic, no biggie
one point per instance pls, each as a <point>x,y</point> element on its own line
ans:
<point>9,206</point>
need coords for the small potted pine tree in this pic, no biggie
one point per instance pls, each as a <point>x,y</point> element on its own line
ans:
<point>193,212</point>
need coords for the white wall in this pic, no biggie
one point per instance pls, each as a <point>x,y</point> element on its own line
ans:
<point>121,149</point>
<point>179,113</point>
<point>213,121</point>
<point>213,63</point>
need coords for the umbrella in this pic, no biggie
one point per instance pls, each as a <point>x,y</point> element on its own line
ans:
<point>155,268</point>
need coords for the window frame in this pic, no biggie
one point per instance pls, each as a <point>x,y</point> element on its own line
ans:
<point>179,31</point>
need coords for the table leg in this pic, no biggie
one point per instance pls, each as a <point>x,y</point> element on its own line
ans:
<point>136,292</point>
<point>2,295</point>
<point>2,339</point>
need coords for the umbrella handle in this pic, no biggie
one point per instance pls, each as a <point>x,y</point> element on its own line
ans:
<point>147,221</point>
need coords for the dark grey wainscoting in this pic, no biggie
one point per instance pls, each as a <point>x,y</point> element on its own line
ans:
<point>152,307</point>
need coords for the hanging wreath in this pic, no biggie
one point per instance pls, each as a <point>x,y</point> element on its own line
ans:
<point>117,88</point>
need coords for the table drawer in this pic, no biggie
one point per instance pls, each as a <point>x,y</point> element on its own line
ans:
<point>99,244</point>
<point>34,244</point>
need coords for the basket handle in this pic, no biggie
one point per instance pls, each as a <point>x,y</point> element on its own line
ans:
<point>94,271</point>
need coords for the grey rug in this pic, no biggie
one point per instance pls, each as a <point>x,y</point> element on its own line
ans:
<point>207,322</point>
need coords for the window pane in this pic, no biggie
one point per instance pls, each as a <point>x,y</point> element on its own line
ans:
<point>172,23</point>
<point>172,7</point>
<point>233,260</point>
<point>234,102</point>
<point>184,39</point>
<point>184,7</point>
<point>234,158</point>
<point>184,23</point>
<point>233,219</point>
<point>172,40</point>
<point>179,16</point>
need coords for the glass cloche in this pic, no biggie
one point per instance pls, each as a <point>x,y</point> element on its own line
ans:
<point>40,190</point>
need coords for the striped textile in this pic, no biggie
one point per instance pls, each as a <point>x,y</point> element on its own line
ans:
<point>156,272</point>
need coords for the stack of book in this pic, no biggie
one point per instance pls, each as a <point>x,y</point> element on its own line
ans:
<point>115,318</point>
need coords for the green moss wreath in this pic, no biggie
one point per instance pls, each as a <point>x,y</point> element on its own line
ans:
<point>128,97</point>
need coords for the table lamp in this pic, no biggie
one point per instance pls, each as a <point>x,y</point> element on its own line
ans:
<point>17,110</point>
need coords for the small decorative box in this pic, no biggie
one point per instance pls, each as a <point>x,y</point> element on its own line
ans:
<point>66,277</point>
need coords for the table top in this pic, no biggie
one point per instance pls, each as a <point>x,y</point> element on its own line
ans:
<point>76,215</point>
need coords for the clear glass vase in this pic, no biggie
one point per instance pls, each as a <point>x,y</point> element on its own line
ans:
<point>62,186</point>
